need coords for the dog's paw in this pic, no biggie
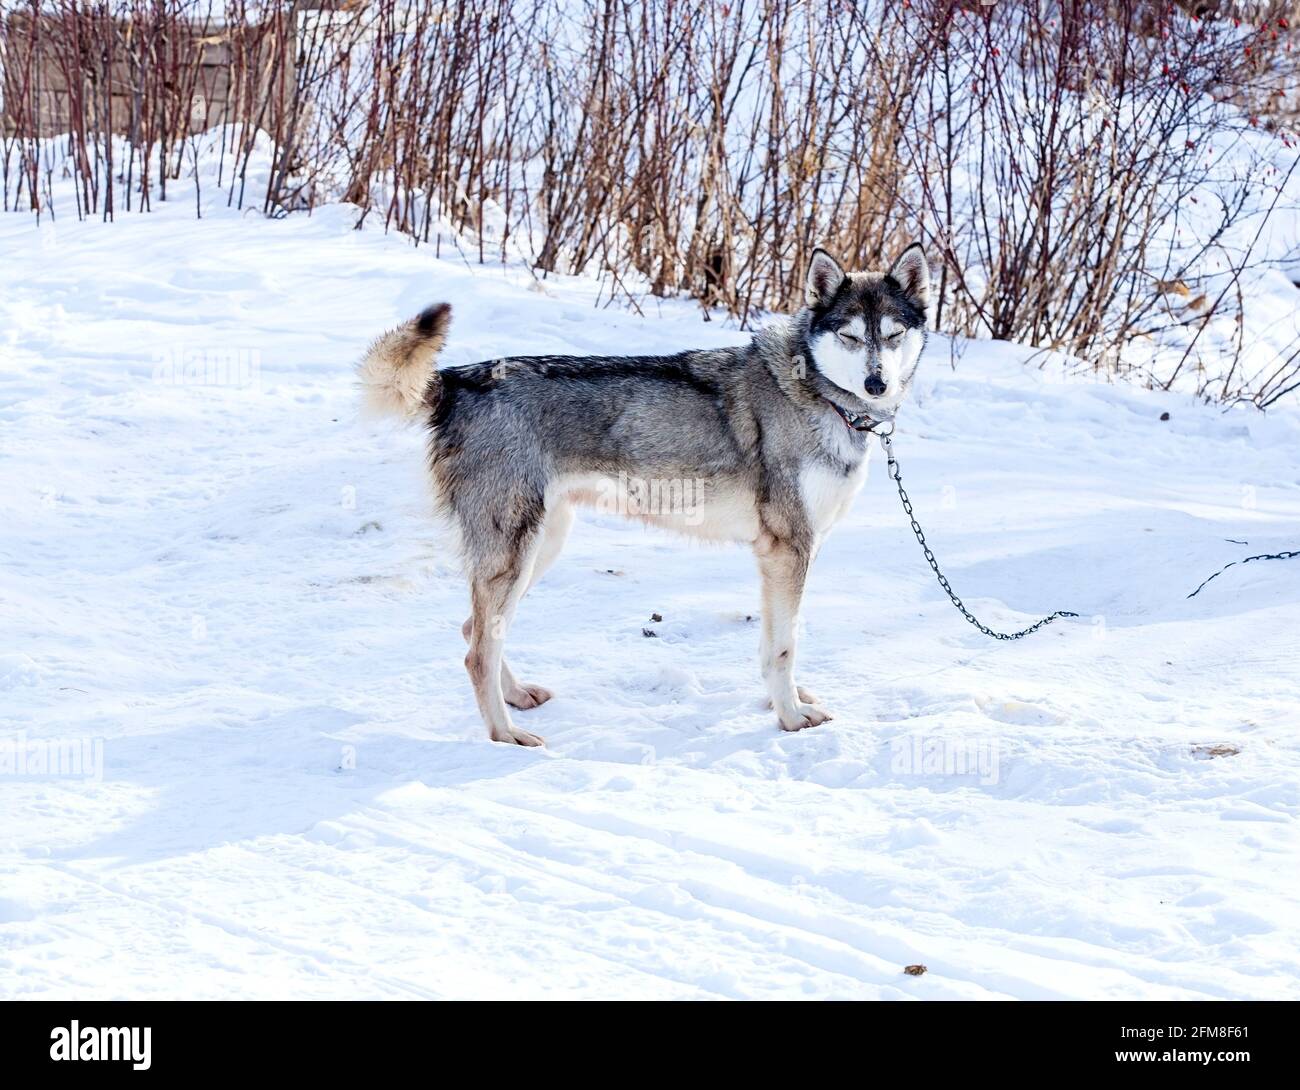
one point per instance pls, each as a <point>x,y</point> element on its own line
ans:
<point>805,715</point>
<point>515,736</point>
<point>524,696</point>
<point>805,697</point>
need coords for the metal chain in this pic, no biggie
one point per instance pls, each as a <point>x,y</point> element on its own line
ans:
<point>897,477</point>
<point>1232,563</point>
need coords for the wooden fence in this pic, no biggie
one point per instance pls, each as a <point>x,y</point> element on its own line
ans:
<point>127,76</point>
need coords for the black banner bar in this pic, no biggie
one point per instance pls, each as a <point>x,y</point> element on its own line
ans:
<point>155,1039</point>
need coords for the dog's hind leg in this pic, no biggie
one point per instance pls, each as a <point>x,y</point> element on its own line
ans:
<point>494,595</point>
<point>783,570</point>
<point>555,531</point>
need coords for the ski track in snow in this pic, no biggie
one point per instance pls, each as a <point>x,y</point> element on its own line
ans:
<point>238,590</point>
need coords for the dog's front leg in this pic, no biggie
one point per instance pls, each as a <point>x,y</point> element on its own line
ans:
<point>784,567</point>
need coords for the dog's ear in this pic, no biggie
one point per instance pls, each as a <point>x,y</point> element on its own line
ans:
<point>824,279</point>
<point>911,272</point>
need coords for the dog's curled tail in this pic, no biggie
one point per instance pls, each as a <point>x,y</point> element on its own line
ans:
<point>398,374</point>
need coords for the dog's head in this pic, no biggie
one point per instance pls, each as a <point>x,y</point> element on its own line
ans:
<point>866,330</point>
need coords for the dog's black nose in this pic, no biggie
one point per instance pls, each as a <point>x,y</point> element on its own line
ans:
<point>875,385</point>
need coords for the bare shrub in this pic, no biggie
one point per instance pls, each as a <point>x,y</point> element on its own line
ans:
<point>1062,161</point>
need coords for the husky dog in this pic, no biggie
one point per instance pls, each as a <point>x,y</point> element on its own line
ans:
<point>772,436</point>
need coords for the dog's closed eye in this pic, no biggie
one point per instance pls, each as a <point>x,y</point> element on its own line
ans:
<point>852,340</point>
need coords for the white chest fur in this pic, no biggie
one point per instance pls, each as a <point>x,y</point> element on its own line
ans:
<point>828,491</point>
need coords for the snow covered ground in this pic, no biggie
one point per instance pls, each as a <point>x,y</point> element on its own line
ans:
<point>229,589</point>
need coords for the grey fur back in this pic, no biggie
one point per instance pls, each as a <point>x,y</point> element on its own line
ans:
<point>744,417</point>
